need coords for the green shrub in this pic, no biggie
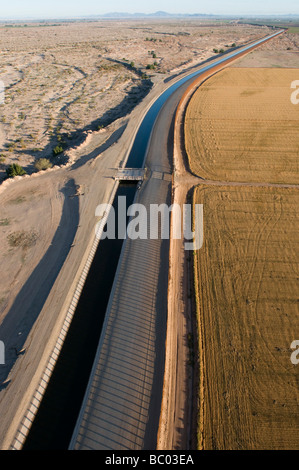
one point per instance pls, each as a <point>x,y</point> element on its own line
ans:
<point>15,170</point>
<point>42,164</point>
<point>57,150</point>
<point>11,146</point>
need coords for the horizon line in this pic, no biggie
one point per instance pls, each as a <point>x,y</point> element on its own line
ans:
<point>156,14</point>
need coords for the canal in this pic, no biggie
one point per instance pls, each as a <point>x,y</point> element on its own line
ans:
<point>56,418</point>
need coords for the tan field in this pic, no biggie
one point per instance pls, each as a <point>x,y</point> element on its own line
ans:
<point>247,274</point>
<point>242,126</point>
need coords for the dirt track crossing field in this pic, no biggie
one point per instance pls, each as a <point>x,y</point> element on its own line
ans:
<point>242,135</point>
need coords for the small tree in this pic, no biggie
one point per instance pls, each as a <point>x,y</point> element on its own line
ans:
<point>15,170</point>
<point>57,150</point>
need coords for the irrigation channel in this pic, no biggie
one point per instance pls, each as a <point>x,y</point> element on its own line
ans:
<point>56,418</point>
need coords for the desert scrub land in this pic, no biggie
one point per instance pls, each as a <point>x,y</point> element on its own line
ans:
<point>242,126</point>
<point>282,51</point>
<point>241,134</point>
<point>65,79</point>
<point>248,280</point>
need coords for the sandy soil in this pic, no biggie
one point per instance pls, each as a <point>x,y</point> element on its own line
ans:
<point>30,216</point>
<point>66,79</point>
<point>282,51</point>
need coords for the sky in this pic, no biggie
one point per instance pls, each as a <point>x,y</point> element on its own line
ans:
<point>73,8</point>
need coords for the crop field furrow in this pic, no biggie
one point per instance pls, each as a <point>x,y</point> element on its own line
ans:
<point>241,134</point>
<point>243,126</point>
<point>248,305</point>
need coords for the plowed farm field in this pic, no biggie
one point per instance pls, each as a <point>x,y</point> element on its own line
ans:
<point>242,126</point>
<point>245,139</point>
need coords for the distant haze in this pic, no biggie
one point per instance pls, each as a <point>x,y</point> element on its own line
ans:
<point>18,9</point>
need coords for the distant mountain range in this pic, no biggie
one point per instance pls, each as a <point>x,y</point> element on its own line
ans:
<point>157,14</point>
<point>164,14</point>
